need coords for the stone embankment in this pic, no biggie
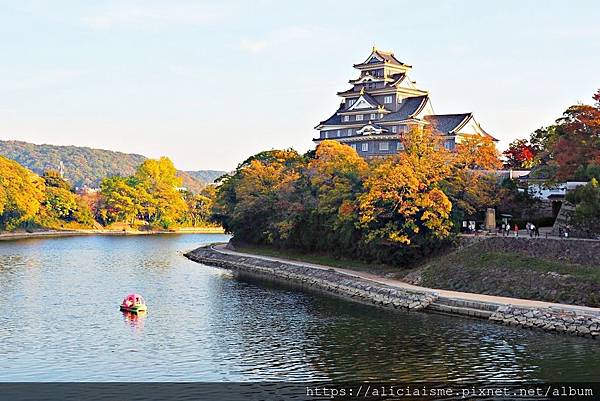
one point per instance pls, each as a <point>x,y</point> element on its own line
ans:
<point>566,319</point>
<point>550,319</point>
<point>326,280</point>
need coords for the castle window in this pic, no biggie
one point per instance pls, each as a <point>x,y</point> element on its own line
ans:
<point>365,147</point>
<point>400,146</point>
<point>326,134</point>
<point>351,102</point>
<point>346,118</point>
<point>349,131</point>
<point>387,99</point>
<point>384,145</point>
<point>337,133</point>
<point>373,116</point>
<point>353,146</point>
<point>359,117</point>
<point>394,129</point>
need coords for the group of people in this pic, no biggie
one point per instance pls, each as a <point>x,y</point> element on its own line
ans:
<point>532,230</point>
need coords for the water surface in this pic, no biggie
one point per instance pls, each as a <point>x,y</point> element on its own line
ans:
<point>59,321</point>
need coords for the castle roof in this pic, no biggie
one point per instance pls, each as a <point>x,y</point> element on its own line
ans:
<point>359,103</point>
<point>411,106</point>
<point>448,124</point>
<point>380,56</point>
<point>451,124</point>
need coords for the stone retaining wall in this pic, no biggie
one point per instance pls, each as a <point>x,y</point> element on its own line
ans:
<point>319,279</point>
<point>550,319</point>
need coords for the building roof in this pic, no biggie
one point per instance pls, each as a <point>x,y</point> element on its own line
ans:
<point>387,57</point>
<point>448,124</point>
<point>370,99</point>
<point>451,124</point>
<point>410,107</point>
<point>335,119</point>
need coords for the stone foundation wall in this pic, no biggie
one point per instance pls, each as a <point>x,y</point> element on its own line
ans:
<point>318,279</point>
<point>549,319</point>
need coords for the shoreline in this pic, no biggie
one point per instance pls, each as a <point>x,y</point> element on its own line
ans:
<point>10,236</point>
<point>389,293</point>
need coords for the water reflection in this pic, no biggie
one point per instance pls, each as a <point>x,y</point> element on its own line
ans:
<point>134,320</point>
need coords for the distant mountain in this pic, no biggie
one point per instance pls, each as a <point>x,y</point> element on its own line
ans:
<point>88,166</point>
<point>206,175</point>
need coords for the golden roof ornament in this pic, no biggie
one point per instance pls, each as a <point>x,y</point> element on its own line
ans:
<point>362,90</point>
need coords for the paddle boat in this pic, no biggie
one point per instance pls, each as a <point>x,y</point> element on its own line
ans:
<point>133,303</point>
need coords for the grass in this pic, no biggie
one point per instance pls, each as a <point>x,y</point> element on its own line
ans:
<point>320,258</point>
<point>489,260</point>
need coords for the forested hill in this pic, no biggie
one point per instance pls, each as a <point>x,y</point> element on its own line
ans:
<point>206,175</point>
<point>87,166</point>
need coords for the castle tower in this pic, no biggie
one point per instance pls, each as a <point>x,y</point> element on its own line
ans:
<point>384,103</point>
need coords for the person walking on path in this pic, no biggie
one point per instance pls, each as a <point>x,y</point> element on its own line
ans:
<point>507,229</point>
<point>537,231</point>
<point>516,230</point>
<point>531,230</point>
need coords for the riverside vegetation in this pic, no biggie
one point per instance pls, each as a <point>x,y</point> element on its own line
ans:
<point>150,198</point>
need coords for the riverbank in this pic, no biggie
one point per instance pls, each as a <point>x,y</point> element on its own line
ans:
<point>544,269</point>
<point>390,293</point>
<point>9,236</point>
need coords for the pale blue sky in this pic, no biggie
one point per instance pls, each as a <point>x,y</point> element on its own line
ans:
<point>211,83</point>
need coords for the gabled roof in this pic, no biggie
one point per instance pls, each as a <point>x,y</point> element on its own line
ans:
<point>367,98</point>
<point>411,106</point>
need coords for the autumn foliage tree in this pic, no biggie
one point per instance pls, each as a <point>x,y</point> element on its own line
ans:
<point>21,194</point>
<point>403,202</point>
<point>258,201</point>
<point>472,183</point>
<point>151,197</point>
<point>565,150</point>
<point>331,200</point>
<point>519,155</point>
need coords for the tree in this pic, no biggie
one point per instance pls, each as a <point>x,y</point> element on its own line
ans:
<point>121,200</point>
<point>519,155</point>
<point>335,173</point>
<point>586,199</point>
<point>259,202</point>
<point>472,185</point>
<point>21,193</point>
<point>578,139</point>
<point>53,179</point>
<point>151,195</point>
<point>403,202</point>
<point>199,206</point>
<point>161,201</point>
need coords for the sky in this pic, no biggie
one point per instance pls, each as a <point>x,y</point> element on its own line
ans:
<point>210,83</point>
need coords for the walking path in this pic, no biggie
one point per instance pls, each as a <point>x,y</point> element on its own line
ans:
<point>454,295</point>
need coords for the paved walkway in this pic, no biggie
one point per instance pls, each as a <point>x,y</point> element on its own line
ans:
<point>457,295</point>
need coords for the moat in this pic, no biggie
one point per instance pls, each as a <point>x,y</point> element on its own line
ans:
<point>59,321</point>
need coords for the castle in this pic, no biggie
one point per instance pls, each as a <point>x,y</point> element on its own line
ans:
<point>384,103</point>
